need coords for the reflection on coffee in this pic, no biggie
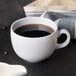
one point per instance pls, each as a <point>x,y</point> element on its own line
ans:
<point>34,30</point>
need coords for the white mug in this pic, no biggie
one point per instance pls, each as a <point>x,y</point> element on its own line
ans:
<point>36,49</point>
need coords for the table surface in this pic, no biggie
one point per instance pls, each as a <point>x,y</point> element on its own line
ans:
<point>61,63</point>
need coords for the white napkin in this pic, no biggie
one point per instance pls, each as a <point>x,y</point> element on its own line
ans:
<point>12,70</point>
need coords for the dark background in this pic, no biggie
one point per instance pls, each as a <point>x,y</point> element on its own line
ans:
<point>61,63</point>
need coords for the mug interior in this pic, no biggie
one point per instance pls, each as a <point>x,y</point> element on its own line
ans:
<point>34,20</point>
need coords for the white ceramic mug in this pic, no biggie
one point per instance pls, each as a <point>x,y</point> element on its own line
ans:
<point>40,48</point>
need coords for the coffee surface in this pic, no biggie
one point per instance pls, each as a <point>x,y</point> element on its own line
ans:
<point>34,30</point>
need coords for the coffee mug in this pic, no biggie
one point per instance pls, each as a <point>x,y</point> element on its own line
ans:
<point>42,44</point>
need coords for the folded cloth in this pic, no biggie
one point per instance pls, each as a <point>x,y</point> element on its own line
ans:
<point>12,70</point>
<point>64,20</point>
<point>56,15</point>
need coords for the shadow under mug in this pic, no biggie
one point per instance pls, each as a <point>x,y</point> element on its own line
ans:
<point>36,49</point>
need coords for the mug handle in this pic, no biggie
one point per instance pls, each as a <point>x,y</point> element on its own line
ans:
<point>66,42</point>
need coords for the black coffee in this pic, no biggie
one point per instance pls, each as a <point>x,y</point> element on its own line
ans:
<point>34,30</point>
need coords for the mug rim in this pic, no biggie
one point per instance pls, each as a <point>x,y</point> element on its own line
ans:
<point>25,18</point>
